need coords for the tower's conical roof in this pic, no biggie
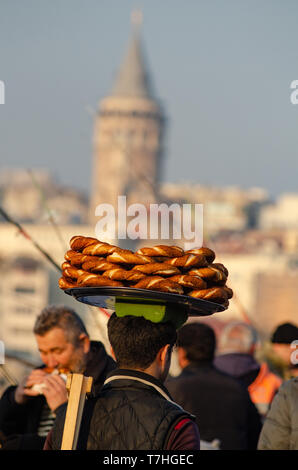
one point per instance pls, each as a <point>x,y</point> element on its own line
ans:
<point>132,78</point>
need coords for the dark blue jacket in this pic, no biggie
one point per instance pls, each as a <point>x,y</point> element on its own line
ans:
<point>221,404</point>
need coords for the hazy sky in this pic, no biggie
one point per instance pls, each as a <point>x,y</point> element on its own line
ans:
<point>222,69</point>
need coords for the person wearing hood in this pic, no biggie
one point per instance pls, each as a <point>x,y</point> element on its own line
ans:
<point>236,357</point>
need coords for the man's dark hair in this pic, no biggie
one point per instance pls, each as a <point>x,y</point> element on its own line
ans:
<point>136,341</point>
<point>198,340</point>
<point>60,317</point>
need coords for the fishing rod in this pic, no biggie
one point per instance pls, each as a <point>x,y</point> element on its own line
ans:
<point>28,237</point>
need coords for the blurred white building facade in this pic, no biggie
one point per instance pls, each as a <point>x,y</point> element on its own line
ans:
<point>282,215</point>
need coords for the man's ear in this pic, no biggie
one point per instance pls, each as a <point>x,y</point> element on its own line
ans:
<point>162,353</point>
<point>113,354</point>
<point>182,358</point>
<point>85,340</point>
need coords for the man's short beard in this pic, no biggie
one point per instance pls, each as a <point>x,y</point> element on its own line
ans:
<point>78,366</point>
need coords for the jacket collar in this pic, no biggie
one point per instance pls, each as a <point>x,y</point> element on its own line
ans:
<point>129,374</point>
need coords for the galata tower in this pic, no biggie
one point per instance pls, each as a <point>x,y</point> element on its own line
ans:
<point>128,136</point>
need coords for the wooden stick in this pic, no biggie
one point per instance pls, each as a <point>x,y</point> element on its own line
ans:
<point>78,386</point>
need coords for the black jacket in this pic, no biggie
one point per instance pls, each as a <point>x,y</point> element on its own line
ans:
<point>19,423</point>
<point>221,404</point>
<point>132,412</point>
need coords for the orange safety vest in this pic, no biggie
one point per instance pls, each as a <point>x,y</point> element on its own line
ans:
<point>264,388</point>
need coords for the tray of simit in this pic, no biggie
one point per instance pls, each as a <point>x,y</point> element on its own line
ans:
<point>154,305</point>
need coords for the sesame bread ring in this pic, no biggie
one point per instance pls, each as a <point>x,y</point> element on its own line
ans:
<point>65,265</point>
<point>214,294</point>
<point>120,274</point>
<point>221,267</point>
<point>95,280</point>
<point>127,257</point>
<point>134,276</point>
<point>77,259</point>
<point>207,252</point>
<point>69,254</point>
<point>66,283</point>
<point>72,273</point>
<point>228,291</point>
<point>159,284</point>
<point>100,249</point>
<point>209,274</point>
<point>219,278</point>
<point>116,273</point>
<point>78,243</point>
<point>161,269</point>
<point>191,282</point>
<point>188,261</point>
<point>98,265</point>
<point>161,250</point>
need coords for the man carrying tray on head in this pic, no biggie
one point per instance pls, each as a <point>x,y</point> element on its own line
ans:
<point>134,410</point>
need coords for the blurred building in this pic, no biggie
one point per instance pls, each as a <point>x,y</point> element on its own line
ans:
<point>24,292</point>
<point>228,208</point>
<point>283,214</point>
<point>35,196</point>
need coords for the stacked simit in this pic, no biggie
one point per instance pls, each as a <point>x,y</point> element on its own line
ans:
<point>92,263</point>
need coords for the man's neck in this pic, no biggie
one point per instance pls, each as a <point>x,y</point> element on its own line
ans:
<point>149,371</point>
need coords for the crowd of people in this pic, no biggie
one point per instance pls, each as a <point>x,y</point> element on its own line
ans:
<point>225,397</point>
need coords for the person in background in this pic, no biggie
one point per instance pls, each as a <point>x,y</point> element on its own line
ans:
<point>134,410</point>
<point>280,430</point>
<point>28,411</point>
<point>221,403</point>
<point>236,356</point>
<point>282,351</point>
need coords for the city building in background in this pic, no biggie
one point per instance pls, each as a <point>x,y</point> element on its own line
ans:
<point>282,215</point>
<point>35,196</point>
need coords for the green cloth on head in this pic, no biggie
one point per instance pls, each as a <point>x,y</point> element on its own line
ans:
<point>153,312</point>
